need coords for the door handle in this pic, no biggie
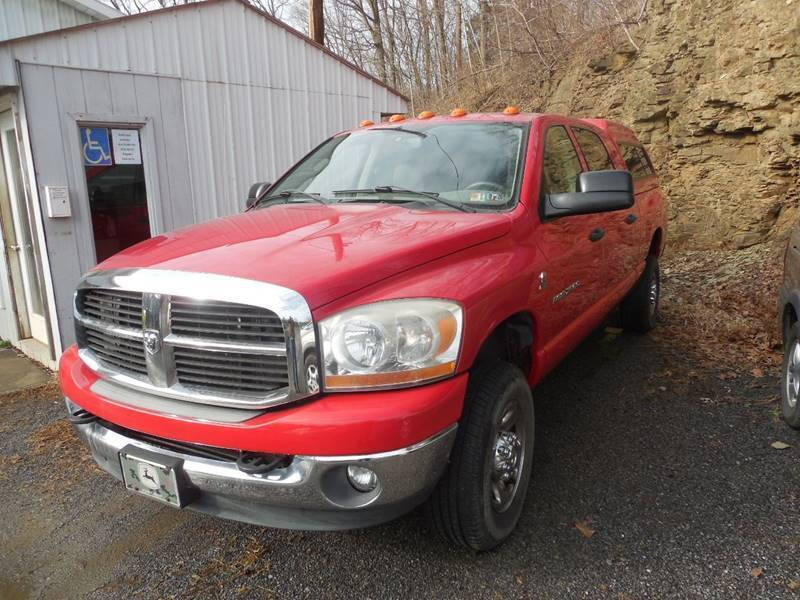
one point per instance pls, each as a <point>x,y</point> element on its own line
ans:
<point>631,219</point>
<point>14,247</point>
<point>597,234</point>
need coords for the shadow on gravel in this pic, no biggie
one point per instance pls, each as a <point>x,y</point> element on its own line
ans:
<point>679,485</point>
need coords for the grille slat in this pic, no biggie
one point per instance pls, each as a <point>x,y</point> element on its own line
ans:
<point>239,373</point>
<point>222,332</point>
<point>226,373</point>
<point>117,307</point>
<point>225,321</point>
<point>123,351</point>
<point>213,383</point>
<point>190,353</point>
<point>111,309</point>
<point>230,321</point>
<point>221,370</point>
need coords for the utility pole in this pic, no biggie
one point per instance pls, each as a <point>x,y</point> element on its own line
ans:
<point>316,21</point>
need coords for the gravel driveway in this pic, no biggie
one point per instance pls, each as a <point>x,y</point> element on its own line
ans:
<point>667,468</point>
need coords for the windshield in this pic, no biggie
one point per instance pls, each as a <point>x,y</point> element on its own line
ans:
<point>475,164</point>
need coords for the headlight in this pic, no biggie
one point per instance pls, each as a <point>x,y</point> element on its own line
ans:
<point>391,344</point>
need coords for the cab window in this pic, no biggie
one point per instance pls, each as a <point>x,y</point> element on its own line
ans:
<point>636,161</point>
<point>560,163</point>
<point>594,151</point>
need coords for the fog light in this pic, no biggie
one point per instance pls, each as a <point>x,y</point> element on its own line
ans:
<point>362,478</point>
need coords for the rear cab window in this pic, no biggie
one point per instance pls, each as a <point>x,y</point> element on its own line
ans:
<point>636,160</point>
<point>594,150</point>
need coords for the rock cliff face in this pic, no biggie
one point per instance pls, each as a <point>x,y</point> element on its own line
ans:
<point>714,93</point>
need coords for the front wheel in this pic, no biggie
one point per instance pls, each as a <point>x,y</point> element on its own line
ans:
<point>790,396</point>
<point>479,499</point>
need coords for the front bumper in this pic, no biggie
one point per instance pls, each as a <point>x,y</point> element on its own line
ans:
<point>312,492</point>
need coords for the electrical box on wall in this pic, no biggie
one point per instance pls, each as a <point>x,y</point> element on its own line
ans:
<point>57,197</point>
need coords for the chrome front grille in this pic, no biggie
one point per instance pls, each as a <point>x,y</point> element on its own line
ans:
<point>112,306</point>
<point>191,347</point>
<point>119,352</point>
<point>229,370</point>
<point>225,321</point>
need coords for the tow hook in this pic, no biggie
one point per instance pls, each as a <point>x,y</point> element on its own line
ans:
<point>256,463</point>
<point>81,417</point>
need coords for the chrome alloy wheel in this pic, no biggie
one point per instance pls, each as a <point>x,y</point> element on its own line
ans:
<point>653,292</point>
<point>792,375</point>
<point>508,456</point>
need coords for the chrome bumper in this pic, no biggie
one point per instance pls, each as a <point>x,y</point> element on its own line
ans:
<point>311,493</point>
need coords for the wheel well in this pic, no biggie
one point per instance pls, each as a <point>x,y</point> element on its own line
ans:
<point>511,341</point>
<point>789,319</point>
<point>655,243</point>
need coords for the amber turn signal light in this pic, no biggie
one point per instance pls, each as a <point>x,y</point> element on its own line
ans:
<point>511,110</point>
<point>426,114</point>
<point>396,118</point>
<point>458,112</point>
<point>366,123</point>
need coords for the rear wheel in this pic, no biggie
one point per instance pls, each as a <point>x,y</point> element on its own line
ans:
<point>790,401</point>
<point>640,307</point>
<point>480,497</point>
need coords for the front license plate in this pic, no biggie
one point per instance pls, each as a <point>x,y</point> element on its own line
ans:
<point>152,474</point>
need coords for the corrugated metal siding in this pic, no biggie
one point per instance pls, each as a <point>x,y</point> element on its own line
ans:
<point>25,17</point>
<point>236,99</point>
<point>53,96</point>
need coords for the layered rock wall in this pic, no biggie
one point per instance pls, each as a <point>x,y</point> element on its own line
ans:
<point>714,93</point>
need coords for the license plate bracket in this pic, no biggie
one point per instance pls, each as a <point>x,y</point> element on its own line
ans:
<point>155,475</point>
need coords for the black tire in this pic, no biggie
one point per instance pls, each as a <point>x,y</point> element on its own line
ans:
<point>639,309</point>
<point>461,508</point>
<point>790,378</point>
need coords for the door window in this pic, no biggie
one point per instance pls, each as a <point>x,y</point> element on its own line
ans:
<point>112,162</point>
<point>594,151</point>
<point>560,163</point>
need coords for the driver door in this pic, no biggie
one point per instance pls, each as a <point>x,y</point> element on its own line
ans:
<point>572,250</point>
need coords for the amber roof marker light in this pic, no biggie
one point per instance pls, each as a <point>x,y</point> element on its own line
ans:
<point>426,114</point>
<point>511,110</point>
<point>458,112</point>
<point>397,118</point>
<point>366,123</point>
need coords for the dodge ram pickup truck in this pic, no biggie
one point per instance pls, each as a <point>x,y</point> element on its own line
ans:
<point>364,337</point>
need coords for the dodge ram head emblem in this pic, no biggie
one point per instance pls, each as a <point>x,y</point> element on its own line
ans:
<point>152,341</point>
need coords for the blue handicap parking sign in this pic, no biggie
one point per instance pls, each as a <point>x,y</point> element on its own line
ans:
<point>96,146</point>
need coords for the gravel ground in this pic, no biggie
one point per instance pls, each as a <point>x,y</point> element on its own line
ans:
<point>669,465</point>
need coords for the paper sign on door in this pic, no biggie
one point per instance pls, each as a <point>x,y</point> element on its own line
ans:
<point>125,143</point>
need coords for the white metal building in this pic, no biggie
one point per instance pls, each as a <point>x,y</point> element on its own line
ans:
<point>117,130</point>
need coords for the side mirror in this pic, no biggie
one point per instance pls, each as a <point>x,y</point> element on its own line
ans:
<point>257,191</point>
<point>597,191</point>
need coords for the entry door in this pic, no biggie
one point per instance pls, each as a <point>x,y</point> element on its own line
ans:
<point>23,251</point>
<point>115,182</point>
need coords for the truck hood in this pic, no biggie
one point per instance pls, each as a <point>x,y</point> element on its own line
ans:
<point>323,252</point>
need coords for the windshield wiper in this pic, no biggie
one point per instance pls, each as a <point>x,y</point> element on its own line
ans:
<point>390,189</point>
<point>286,194</point>
<point>411,131</point>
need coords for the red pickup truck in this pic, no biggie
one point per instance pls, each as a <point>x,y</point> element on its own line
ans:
<point>363,339</point>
